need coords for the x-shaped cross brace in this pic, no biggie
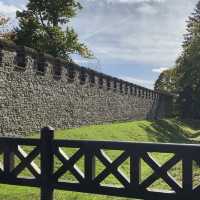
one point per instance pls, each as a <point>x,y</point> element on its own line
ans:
<point>161,172</point>
<point>112,168</point>
<point>26,161</point>
<point>68,164</point>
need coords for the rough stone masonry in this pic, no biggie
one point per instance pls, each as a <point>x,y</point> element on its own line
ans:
<point>38,90</point>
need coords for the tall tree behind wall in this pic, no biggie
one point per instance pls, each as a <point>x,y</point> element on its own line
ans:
<point>166,81</point>
<point>187,70</point>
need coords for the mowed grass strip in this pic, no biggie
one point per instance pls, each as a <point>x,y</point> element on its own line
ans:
<point>164,131</point>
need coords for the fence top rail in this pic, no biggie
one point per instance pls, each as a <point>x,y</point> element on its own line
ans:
<point>115,145</point>
<point>20,141</point>
<point>137,146</point>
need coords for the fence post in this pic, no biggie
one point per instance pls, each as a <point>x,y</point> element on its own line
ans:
<point>8,159</point>
<point>187,174</point>
<point>47,163</point>
<point>90,167</point>
<point>135,170</point>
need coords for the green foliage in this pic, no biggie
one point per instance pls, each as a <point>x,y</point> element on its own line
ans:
<point>166,81</point>
<point>41,27</point>
<point>186,77</point>
<point>188,69</point>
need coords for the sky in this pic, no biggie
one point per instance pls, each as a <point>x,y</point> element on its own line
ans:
<point>131,39</point>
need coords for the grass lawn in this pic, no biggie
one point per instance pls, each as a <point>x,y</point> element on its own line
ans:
<point>165,131</point>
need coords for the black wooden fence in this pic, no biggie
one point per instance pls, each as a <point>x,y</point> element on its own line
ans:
<point>47,176</point>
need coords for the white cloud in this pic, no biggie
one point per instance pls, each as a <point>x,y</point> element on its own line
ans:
<point>133,1</point>
<point>148,32</point>
<point>8,9</point>
<point>80,61</point>
<point>147,9</point>
<point>159,70</point>
<point>139,81</point>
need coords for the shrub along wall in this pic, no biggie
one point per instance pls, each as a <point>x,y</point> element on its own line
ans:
<point>38,90</point>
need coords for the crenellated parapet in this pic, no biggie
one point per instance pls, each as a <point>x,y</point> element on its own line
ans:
<point>69,71</point>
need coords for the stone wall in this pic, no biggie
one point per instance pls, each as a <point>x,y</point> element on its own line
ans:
<point>38,90</point>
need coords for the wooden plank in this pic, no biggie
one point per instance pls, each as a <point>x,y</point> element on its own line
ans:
<point>134,146</point>
<point>187,173</point>
<point>69,164</point>
<point>8,159</point>
<point>47,163</point>
<point>26,162</point>
<point>135,170</point>
<point>32,164</point>
<point>19,141</point>
<point>112,168</point>
<point>161,172</point>
<point>90,165</point>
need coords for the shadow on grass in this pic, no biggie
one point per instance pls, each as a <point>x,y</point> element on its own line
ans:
<point>195,135</point>
<point>192,123</point>
<point>169,131</point>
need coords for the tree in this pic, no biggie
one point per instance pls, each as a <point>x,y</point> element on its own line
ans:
<point>166,81</point>
<point>188,69</point>
<point>185,81</point>
<point>41,27</point>
<point>192,27</point>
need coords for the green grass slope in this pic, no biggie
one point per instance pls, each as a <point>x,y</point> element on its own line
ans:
<point>164,131</point>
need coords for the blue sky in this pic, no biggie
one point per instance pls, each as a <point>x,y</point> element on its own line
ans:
<point>131,39</point>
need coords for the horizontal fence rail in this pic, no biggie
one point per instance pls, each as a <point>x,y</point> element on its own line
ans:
<point>102,167</point>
